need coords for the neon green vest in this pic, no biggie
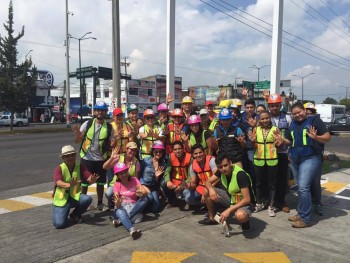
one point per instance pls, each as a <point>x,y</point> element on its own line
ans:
<point>203,143</point>
<point>213,124</point>
<point>233,189</point>
<point>86,144</point>
<point>61,195</point>
<point>146,145</point>
<point>132,168</point>
<point>266,152</point>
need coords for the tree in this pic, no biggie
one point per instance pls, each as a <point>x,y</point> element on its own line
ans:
<point>17,81</point>
<point>345,102</point>
<point>329,100</point>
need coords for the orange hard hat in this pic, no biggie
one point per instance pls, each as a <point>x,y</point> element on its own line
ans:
<point>148,112</point>
<point>177,112</point>
<point>274,98</point>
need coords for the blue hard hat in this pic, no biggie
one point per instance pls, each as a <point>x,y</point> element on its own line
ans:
<point>101,105</point>
<point>225,114</point>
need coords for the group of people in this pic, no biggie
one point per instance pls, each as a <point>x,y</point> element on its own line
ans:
<point>230,163</point>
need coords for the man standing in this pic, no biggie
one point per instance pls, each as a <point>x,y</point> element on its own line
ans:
<point>96,137</point>
<point>234,194</point>
<point>209,106</point>
<point>282,122</point>
<point>67,192</point>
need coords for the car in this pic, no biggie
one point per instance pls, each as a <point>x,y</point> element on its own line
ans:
<point>5,120</point>
<point>340,125</point>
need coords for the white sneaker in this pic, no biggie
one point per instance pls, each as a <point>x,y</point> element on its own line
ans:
<point>258,208</point>
<point>271,211</point>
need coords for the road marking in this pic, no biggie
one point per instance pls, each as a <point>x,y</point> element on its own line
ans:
<point>35,201</point>
<point>159,257</point>
<point>13,205</point>
<point>259,257</point>
<point>47,195</point>
<point>331,188</point>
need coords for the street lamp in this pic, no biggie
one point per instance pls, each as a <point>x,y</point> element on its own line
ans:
<point>235,87</point>
<point>258,68</point>
<point>82,93</point>
<point>302,84</point>
<point>346,96</point>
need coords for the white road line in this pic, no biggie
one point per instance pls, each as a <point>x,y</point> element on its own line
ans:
<point>4,211</point>
<point>33,200</point>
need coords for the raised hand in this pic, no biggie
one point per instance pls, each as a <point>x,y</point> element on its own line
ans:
<point>118,135</point>
<point>245,92</point>
<point>74,181</point>
<point>117,200</point>
<point>159,171</point>
<point>166,130</point>
<point>251,121</point>
<point>240,138</point>
<point>312,133</point>
<point>93,178</point>
<point>169,98</point>
<point>115,152</point>
<point>266,94</point>
<point>184,137</point>
<point>252,135</point>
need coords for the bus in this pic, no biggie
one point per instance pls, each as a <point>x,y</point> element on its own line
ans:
<point>330,112</point>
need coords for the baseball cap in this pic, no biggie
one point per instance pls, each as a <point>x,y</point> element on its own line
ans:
<point>131,145</point>
<point>117,111</point>
<point>203,111</point>
<point>209,102</point>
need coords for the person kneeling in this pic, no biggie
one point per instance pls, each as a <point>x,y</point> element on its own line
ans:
<point>234,193</point>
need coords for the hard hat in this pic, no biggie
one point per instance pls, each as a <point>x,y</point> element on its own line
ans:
<point>233,106</point>
<point>158,145</point>
<point>309,105</point>
<point>237,102</point>
<point>148,112</point>
<point>203,112</point>
<point>274,98</point>
<point>117,111</point>
<point>100,105</point>
<point>187,99</point>
<point>194,119</point>
<point>120,167</point>
<point>177,112</point>
<point>131,107</point>
<point>209,102</point>
<point>225,114</point>
<point>162,107</point>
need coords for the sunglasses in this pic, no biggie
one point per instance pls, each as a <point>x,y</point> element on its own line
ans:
<point>150,118</point>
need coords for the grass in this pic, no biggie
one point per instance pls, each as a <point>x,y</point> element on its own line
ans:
<point>326,167</point>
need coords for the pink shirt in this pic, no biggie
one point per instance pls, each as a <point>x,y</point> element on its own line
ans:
<point>127,192</point>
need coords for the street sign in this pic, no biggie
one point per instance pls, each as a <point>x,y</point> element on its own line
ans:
<point>248,84</point>
<point>85,72</point>
<point>262,85</point>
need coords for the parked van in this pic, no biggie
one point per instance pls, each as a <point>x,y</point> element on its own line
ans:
<point>330,112</point>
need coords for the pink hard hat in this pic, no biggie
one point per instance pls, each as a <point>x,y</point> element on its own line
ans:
<point>162,107</point>
<point>120,167</point>
<point>158,145</point>
<point>194,119</point>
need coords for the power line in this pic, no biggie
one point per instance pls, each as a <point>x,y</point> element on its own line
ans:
<point>338,16</point>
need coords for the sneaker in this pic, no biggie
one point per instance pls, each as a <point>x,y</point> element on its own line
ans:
<point>245,226</point>
<point>258,208</point>
<point>300,224</point>
<point>318,210</point>
<point>271,211</point>
<point>294,218</point>
<point>135,233</point>
<point>116,222</point>
<point>101,206</point>
<point>76,219</point>
<point>207,222</point>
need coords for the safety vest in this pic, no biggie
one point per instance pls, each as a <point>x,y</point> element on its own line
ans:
<point>61,194</point>
<point>202,174</point>
<point>172,137</point>
<point>302,144</point>
<point>132,168</point>
<point>103,139</point>
<point>266,152</point>
<point>146,145</point>
<point>179,169</point>
<point>123,141</point>
<point>233,188</point>
<point>228,143</point>
<point>283,126</point>
<point>213,125</point>
<point>203,143</point>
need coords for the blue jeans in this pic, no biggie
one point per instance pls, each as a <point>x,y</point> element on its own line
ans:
<point>109,196</point>
<point>60,213</point>
<point>122,214</point>
<point>192,197</point>
<point>153,200</point>
<point>169,193</point>
<point>305,170</point>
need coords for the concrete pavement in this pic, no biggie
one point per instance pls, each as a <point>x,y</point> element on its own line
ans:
<point>28,235</point>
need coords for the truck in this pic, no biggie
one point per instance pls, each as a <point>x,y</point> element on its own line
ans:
<point>330,112</point>
<point>18,120</point>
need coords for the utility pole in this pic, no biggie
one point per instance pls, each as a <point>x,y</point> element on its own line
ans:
<point>67,70</point>
<point>116,52</point>
<point>346,96</point>
<point>126,65</point>
<point>170,52</point>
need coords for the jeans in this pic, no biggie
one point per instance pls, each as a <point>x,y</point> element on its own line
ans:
<point>60,213</point>
<point>192,197</point>
<point>170,194</point>
<point>122,214</point>
<point>305,170</point>
<point>109,196</point>
<point>153,201</point>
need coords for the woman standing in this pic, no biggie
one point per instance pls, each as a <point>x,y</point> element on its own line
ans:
<point>129,198</point>
<point>152,169</point>
<point>172,131</point>
<point>306,136</point>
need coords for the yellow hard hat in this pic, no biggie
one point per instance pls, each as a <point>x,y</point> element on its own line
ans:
<point>237,102</point>
<point>187,99</point>
<point>309,105</point>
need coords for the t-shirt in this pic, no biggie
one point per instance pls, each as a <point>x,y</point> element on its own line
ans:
<point>212,166</point>
<point>243,181</point>
<point>127,192</point>
<point>84,172</point>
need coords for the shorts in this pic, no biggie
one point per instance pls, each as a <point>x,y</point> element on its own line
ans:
<point>225,201</point>
<point>97,168</point>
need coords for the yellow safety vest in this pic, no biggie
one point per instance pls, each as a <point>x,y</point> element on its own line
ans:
<point>123,141</point>
<point>266,152</point>
<point>146,145</point>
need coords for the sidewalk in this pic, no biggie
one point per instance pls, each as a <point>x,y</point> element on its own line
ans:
<point>28,235</point>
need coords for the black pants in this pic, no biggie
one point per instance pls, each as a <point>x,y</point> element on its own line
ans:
<point>282,180</point>
<point>266,183</point>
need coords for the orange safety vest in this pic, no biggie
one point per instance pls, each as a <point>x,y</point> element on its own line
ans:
<point>202,174</point>
<point>179,169</point>
<point>172,137</point>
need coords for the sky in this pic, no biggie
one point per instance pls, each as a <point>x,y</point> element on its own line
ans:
<point>216,41</point>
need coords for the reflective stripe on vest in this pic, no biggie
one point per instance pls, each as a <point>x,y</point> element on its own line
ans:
<point>266,151</point>
<point>179,170</point>
<point>233,189</point>
<point>203,143</point>
<point>147,143</point>
<point>172,137</point>
<point>213,124</point>
<point>132,168</point>
<point>89,136</point>
<point>302,144</point>
<point>123,141</point>
<point>202,174</point>
<point>62,194</point>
